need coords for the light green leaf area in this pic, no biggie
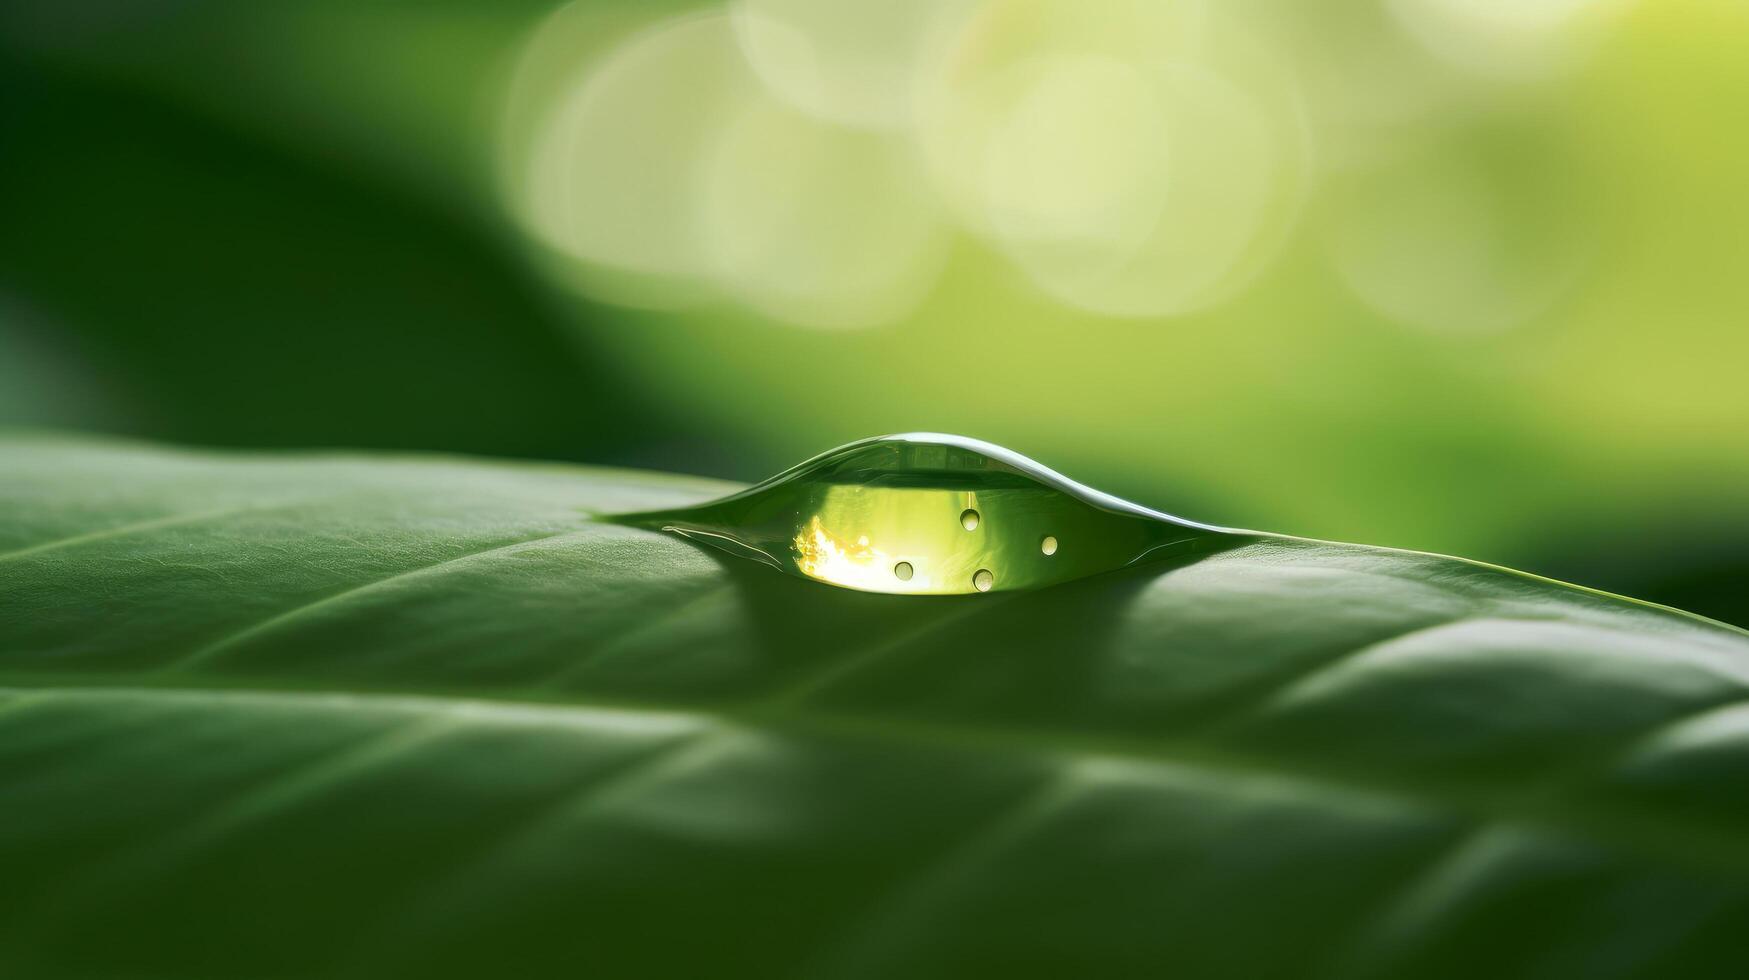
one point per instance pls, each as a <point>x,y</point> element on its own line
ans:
<point>338,715</point>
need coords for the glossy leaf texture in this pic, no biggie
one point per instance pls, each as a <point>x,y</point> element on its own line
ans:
<point>330,715</point>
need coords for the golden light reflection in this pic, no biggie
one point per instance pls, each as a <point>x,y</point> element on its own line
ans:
<point>822,555</point>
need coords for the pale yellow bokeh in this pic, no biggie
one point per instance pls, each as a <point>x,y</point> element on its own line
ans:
<point>815,224</point>
<point>1142,163</point>
<point>614,178</point>
<point>1434,240</point>
<point>1512,40</point>
<point>843,61</point>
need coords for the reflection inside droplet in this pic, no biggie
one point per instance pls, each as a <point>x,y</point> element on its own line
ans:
<point>902,571</point>
<point>1048,545</point>
<point>969,519</point>
<point>982,580</point>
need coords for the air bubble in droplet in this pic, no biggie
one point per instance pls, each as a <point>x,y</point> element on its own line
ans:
<point>902,571</point>
<point>982,580</point>
<point>969,519</point>
<point>1048,545</point>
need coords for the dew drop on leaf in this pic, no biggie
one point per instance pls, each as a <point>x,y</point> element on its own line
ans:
<point>890,514</point>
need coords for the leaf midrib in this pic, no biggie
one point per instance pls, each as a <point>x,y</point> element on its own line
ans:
<point>1670,835</point>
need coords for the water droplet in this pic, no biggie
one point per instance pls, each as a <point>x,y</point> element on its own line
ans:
<point>846,517</point>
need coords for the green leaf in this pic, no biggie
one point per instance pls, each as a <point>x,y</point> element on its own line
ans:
<point>374,716</point>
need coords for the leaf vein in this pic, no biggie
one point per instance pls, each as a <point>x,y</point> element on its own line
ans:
<point>136,527</point>
<point>1697,843</point>
<point>280,619</point>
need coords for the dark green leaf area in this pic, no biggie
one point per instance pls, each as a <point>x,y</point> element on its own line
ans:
<point>301,715</point>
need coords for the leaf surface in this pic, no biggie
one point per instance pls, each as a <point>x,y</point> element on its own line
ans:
<point>373,716</point>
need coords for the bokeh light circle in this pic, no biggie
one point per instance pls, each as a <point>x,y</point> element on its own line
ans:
<point>1141,164</point>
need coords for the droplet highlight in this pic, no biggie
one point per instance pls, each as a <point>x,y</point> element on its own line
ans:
<point>891,515</point>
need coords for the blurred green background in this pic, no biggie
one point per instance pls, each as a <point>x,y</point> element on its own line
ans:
<point>1456,275</point>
